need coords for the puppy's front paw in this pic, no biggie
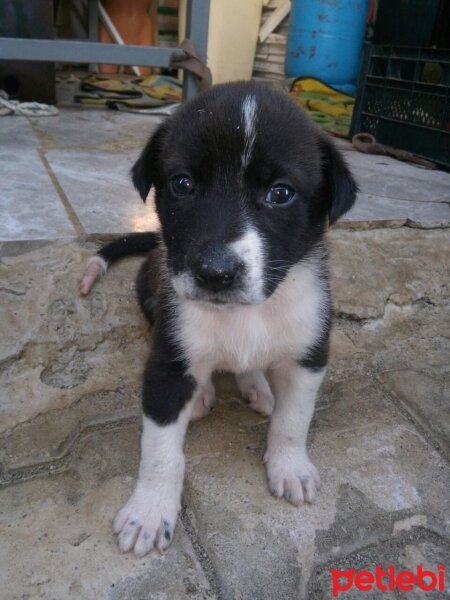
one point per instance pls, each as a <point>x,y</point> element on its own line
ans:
<point>147,522</point>
<point>292,475</point>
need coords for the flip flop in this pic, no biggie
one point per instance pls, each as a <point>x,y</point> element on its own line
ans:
<point>116,88</point>
<point>137,95</point>
<point>167,89</point>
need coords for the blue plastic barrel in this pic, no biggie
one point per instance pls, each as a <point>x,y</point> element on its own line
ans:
<point>325,40</point>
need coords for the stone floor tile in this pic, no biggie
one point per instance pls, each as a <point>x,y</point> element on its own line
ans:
<point>407,352</point>
<point>394,318</point>
<point>377,207</point>
<point>390,178</point>
<point>30,208</point>
<point>262,547</point>
<point>57,538</point>
<point>17,134</point>
<point>394,191</point>
<point>57,347</point>
<point>38,442</point>
<point>411,544</point>
<point>88,129</point>
<point>70,372</point>
<point>99,189</point>
<point>400,266</point>
<point>427,396</point>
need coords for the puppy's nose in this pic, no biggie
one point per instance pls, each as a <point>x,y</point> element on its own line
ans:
<point>216,271</point>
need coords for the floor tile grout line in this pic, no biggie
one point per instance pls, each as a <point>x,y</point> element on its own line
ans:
<point>424,431</point>
<point>59,464</point>
<point>73,217</point>
<point>200,551</point>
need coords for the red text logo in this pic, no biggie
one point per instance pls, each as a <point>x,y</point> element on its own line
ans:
<point>387,580</point>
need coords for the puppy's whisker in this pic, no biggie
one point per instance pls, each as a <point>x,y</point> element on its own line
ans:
<point>279,265</point>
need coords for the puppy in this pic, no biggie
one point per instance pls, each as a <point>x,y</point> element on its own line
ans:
<point>245,187</point>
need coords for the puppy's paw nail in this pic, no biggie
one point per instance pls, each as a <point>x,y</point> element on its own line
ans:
<point>293,477</point>
<point>145,525</point>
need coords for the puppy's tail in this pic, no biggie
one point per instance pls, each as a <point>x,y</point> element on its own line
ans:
<point>126,245</point>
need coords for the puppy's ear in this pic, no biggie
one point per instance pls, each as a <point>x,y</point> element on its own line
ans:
<point>340,187</point>
<point>144,169</point>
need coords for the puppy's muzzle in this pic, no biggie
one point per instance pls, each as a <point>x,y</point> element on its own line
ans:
<point>215,268</point>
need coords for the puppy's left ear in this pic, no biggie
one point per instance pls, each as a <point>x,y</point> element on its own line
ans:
<point>145,168</point>
<point>340,187</point>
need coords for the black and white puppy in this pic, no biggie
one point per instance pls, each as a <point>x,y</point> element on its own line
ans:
<point>245,187</point>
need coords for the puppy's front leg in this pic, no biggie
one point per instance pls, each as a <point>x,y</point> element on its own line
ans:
<point>148,519</point>
<point>290,472</point>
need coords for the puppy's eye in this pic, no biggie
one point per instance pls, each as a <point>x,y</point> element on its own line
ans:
<point>182,185</point>
<point>280,195</point>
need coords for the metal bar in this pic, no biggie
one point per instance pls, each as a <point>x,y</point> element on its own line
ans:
<point>93,28</point>
<point>93,20</point>
<point>197,20</point>
<point>113,32</point>
<point>82,52</point>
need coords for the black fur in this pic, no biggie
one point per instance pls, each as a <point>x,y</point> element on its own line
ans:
<point>203,141</point>
<point>166,389</point>
<point>316,358</point>
<point>146,295</point>
<point>128,245</point>
<point>340,188</point>
<point>167,386</point>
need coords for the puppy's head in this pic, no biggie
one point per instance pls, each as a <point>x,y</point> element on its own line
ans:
<point>244,185</point>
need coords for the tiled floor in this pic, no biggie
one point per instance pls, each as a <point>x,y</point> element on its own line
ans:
<point>68,175</point>
<point>70,369</point>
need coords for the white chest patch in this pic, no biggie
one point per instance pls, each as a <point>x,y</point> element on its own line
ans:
<point>249,110</point>
<point>246,338</point>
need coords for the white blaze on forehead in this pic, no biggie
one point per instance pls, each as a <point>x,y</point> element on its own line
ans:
<point>249,109</point>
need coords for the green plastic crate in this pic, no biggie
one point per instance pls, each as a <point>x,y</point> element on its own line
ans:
<point>404,100</point>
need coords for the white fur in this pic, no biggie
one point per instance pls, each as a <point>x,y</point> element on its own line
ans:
<point>290,472</point>
<point>255,389</point>
<point>205,398</point>
<point>100,261</point>
<point>249,111</point>
<point>254,337</point>
<point>184,285</point>
<point>95,268</point>
<point>249,248</point>
<point>246,340</point>
<point>153,507</point>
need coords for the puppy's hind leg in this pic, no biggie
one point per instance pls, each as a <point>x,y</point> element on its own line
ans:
<point>256,390</point>
<point>145,294</point>
<point>205,398</point>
